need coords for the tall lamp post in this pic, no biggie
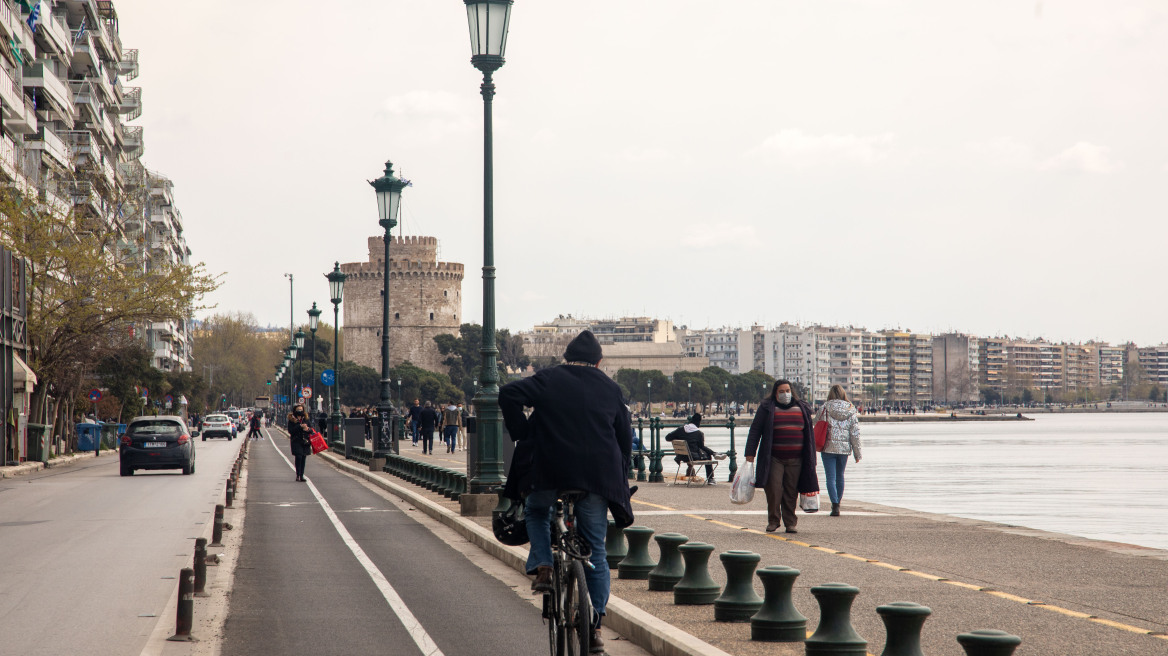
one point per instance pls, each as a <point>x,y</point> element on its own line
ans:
<point>336,290</point>
<point>299,355</point>
<point>488,20</point>
<point>649,393</point>
<point>689,396</point>
<point>313,324</point>
<point>388,189</point>
<point>726,398</point>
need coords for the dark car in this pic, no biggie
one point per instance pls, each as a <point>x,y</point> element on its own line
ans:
<point>162,442</point>
<point>217,426</point>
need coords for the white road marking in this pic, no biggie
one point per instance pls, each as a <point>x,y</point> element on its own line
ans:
<point>399,608</point>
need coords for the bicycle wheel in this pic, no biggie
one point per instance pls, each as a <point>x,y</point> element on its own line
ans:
<point>577,611</point>
<point>553,610</point>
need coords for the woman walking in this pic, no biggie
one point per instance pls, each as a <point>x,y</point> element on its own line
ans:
<point>298,434</point>
<point>781,437</point>
<point>843,439</point>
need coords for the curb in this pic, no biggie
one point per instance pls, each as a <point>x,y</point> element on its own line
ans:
<point>26,468</point>
<point>639,627</point>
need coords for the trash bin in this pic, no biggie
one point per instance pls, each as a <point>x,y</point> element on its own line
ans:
<point>38,443</point>
<point>109,436</point>
<point>88,436</point>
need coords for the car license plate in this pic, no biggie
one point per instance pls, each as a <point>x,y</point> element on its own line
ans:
<point>155,445</point>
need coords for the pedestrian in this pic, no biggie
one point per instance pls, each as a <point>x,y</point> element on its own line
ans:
<point>254,428</point>
<point>415,415</point>
<point>579,437</point>
<point>843,438</point>
<point>451,419</point>
<point>428,420</point>
<point>463,414</point>
<point>299,430</point>
<point>781,437</point>
<point>695,441</point>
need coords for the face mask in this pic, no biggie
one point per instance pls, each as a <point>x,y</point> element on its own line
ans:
<point>784,398</point>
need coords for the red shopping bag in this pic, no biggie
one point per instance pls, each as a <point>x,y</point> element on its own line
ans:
<point>318,443</point>
<point>822,432</point>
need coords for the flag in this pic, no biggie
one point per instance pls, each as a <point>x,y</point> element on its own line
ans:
<point>80,32</point>
<point>34,17</point>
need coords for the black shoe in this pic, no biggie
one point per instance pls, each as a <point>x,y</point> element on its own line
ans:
<point>596,645</point>
<point>772,528</point>
<point>791,530</point>
<point>834,510</point>
<point>543,580</point>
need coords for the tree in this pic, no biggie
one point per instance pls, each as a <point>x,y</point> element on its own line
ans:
<point>464,359</point>
<point>875,392</point>
<point>235,358</point>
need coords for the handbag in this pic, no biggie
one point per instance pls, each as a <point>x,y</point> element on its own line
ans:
<point>809,502</point>
<point>317,442</point>
<point>742,489</point>
<point>822,431</point>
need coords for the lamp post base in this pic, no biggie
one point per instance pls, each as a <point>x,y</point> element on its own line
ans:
<point>477,505</point>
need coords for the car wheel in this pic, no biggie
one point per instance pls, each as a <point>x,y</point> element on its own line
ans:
<point>204,439</point>
<point>127,471</point>
<point>228,438</point>
<point>188,468</point>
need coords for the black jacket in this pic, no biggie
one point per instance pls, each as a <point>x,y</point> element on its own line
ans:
<point>577,438</point>
<point>695,441</point>
<point>298,435</point>
<point>760,437</point>
<point>428,420</point>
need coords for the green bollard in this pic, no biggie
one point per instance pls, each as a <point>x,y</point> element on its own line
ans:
<point>988,642</point>
<point>670,567</point>
<point>778,620</point>
<point>637,563</point>
<point>656,454</point>
<point>903,621</point>
<point>739,602</point>
<point>696,588</point>
<point>615,548</point>
<point>835,636</point>
<point>639,463</point>
<point>732,455</point>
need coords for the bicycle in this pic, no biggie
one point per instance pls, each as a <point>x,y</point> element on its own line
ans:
<point>567,608</point>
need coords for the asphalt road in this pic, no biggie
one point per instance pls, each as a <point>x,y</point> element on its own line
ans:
<point>333,567</point>
<point>89,559</point>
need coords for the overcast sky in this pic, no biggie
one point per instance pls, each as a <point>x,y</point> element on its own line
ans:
<point>993,167</point>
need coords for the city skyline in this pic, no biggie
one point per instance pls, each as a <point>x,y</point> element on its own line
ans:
<point>899,164</point>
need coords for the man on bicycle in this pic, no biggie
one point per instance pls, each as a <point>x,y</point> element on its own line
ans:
<point>578,437</point>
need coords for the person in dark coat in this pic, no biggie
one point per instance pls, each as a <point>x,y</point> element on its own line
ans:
<point>781,435</point>
<point>695,440</point>
<point>299,430</point>
<point>578,437</point>
<point>428,420</point>
<point>415,420</point>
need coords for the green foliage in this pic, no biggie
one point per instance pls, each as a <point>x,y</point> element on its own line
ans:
<point>235,358</point>
<point>464,361</point>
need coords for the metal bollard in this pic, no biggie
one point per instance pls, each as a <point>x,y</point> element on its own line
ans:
<point>778,620</point>
<point>201,567</point>
<point>835,636</point>
<point>903,621</point>
<point>230,493</point>
<point>988,642</point>
<point>696,588</point>
<point>217,527</point>
<point>185,616</point>
<point>670,567</point>
<point>637,563</point>
<point>615,548</point>
<point>739,602</point>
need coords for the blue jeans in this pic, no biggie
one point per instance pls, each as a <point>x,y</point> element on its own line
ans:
<point>591,522</point>
<point>833,467</point>
<point>450,437</point>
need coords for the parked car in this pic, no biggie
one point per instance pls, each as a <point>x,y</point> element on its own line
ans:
<point>162,442</point>
<point>218,426</point>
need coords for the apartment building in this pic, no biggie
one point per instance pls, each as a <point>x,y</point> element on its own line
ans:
<point>1036,364</point>
<point>845,352</point>
<point>1111,360</point>
<point>66,105</point>
<point>1081,367</point>
<point>992,356</point>
<point>1153,361</point>
<point>955,372</point>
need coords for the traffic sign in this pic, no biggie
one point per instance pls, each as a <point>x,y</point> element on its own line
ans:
<point>94,395</point>
<point>306,392</point>
<point>328,377</point>
<point>168,398</point>
<point>145,392</point>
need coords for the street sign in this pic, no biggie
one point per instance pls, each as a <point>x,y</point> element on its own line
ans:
<point>168,398</point>
<point>94,395</point>
<point>306,392</point>
<point>145,392</point>
<point>328,377</point>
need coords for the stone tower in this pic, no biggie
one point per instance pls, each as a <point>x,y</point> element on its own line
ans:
<point>425,300</point>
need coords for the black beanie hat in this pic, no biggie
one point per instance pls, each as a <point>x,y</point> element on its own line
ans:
<point>696,419</point>
<point>584,348</point>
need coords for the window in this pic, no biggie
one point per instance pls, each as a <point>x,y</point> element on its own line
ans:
<point>397,315</point>
<point>431,316</point>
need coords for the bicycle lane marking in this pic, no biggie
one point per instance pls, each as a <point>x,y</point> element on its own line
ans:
<point>939,579</point>
<point>419,635</point>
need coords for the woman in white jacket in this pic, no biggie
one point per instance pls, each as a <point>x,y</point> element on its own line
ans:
<point>843,439</point>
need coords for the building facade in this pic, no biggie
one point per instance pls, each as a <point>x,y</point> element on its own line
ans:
<point>425,300</point>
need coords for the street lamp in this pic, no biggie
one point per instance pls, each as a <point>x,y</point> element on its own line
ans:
<point>336,290</point>
<point>689,395</point>
<point>388,189</point>
<point>726,398</point>
<point>488,20</point>
<point>313,324</point>
<point>299,368</point>
<point>649,386</point>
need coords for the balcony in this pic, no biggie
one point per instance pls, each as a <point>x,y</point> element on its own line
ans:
<point>19,114</point>
<point>51,144</point>
<point>101,84</point>
<point>42,76</point>
<point>57,32</point>
<point>10,20</point>
<point>132,173</point>
<point>128,66</point>
<point>132,141</point>
<point>84,54</point>
<point>84,100</point>
<point>131,105</point>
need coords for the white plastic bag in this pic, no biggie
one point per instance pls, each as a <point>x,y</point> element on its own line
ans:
<point>742,489</point>
<point>809,503</point>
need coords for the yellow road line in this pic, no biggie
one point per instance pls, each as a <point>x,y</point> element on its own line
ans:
<point>930,577</point>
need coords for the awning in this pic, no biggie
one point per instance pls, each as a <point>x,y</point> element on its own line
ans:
<point>22,374</point>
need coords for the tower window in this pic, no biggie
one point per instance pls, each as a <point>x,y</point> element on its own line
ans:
<point>431,316</point>
<point>397,315</point>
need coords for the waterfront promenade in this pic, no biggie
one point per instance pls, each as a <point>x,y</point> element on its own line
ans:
<point>1061,594</point>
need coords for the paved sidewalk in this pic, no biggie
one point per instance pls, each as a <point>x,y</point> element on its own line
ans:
<point>25,468</point>
<point>1061,594</point>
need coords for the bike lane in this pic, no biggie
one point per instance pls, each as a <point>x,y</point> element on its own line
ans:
<point>381,583</point>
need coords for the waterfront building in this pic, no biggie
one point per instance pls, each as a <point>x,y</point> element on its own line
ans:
<point>633,329</point>
<point>1036,364</point>
<point>1081,367</point>
<point>992,354</point>
<point>425,300</point>
<point>909,357</point>
<point>955,374</point>
<point>1111,360</point>
<point>1153,362</point>
<point>668,358</point>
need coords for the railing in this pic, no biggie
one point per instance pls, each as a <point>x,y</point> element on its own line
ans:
<point>59,32</point>
<point>128,66</point>
<point>53,144</point>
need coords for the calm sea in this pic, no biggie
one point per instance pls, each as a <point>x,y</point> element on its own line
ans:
<point>1100,476</point>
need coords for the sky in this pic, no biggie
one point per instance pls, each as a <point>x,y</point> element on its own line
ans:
<point>992,167</point>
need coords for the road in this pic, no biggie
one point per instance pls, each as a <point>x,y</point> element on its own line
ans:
<point>335,567</point>
<point>89,559</point>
